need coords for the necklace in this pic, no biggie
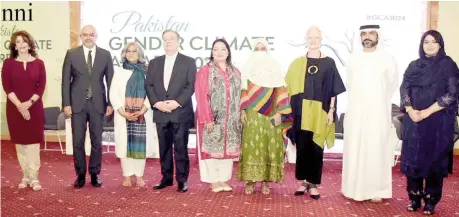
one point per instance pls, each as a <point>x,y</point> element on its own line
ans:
<point>27,60</point>
<point>313,66</point>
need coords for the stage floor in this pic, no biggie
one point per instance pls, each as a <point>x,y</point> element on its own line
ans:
<point>58,197</point>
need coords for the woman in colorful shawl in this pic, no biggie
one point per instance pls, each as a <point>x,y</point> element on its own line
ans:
<point>219,127</point>
<point>265,113</point>
<point>135,133</point>
<point>313,83</point>
<point>428,95</point>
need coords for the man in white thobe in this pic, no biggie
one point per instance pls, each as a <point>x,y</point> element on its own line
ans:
<point>368,154</point>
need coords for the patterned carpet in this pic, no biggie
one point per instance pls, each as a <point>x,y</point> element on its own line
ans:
<point>59,198</point>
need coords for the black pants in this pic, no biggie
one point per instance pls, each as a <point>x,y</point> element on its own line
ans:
<point>176,134</point>
<point>309,158</point>
<point>79,127</point>
<point>431,192</point>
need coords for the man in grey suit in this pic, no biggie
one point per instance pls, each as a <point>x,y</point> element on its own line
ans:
<point>170,85</point>
<point>84,100</point>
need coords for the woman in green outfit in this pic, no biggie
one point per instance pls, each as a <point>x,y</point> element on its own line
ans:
<point>265,114</point>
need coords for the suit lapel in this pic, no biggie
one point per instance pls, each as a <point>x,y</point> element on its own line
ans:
<point>175,70</point>
<point>81,61</point>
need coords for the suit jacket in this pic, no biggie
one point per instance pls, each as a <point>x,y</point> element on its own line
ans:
<point>180,89</point>
<point>76,79</point>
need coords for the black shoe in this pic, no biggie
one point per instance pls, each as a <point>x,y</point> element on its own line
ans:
<point>162,185</point>
<point>80,181</point>
<point>182,187</point>
<point>316,196</point>
<point>299,193</point>
<point>95,181</point>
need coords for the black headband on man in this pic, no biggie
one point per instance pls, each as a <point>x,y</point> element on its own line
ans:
<point>369,27</point>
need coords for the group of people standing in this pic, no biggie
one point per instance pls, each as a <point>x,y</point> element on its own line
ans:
<point>247,115</point>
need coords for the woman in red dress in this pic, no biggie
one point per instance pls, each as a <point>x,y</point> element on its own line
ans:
<point>24,80</point>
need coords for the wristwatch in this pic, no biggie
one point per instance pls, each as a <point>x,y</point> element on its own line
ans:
<point>32,101</point>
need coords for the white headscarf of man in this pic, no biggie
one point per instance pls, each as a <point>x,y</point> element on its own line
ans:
<point>369,30</point>
<point>261,68</point>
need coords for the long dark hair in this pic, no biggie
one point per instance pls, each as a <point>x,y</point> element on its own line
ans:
<point>228,59</point>
<point>438,38</point>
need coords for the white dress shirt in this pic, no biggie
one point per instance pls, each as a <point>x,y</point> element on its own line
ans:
<point>93,53</point>
<point>168,66</point>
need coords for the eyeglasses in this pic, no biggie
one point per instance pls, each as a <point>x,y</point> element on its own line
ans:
<point>88,35</point>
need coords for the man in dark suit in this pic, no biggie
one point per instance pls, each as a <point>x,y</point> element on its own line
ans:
<point>170,85</point>
<point>84,100</point>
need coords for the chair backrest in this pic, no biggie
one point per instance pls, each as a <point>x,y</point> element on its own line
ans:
<point>395,110</point>
<point>339,124</point>
<point>398,120</point>
<point>109,121</point>
<point>51,115</point>
<point>61,121</point>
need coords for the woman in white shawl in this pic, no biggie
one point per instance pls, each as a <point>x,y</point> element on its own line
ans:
<point>135,133</point>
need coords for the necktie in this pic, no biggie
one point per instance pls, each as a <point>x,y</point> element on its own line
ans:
<point>89,63</point>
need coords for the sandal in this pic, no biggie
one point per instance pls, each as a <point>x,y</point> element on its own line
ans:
<point>23,184</point>
<point>225,186</point>
<point>265,188</point>
<point>429,209</point>
<point>35,185</point>
<point>249,187</point>
<point>216,187</point>
<point>415,205</point>
<point>140,182</point>
<point>127,182</point>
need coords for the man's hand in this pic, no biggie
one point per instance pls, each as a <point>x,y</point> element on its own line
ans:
<point>277,119</point>
<point>68,111</point>
<point>24,106</point>
<point>162,106</point>
<point>172,105</point>
<point>108,111</point>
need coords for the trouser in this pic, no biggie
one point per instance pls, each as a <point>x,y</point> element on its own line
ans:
<point>174,136</point>
<point>79,126</point>
<point>216,170</point>
<point>309,158</point>
<point>29,160</point>
<point>431,192</point>
<point>133,166</point>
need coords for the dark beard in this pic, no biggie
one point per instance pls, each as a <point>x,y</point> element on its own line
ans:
<point>372,44</point>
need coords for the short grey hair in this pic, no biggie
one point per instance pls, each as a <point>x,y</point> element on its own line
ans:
<point>140,52</point>
<point>171,30</point>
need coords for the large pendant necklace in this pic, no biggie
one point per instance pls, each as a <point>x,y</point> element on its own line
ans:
<point>313,67</point>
